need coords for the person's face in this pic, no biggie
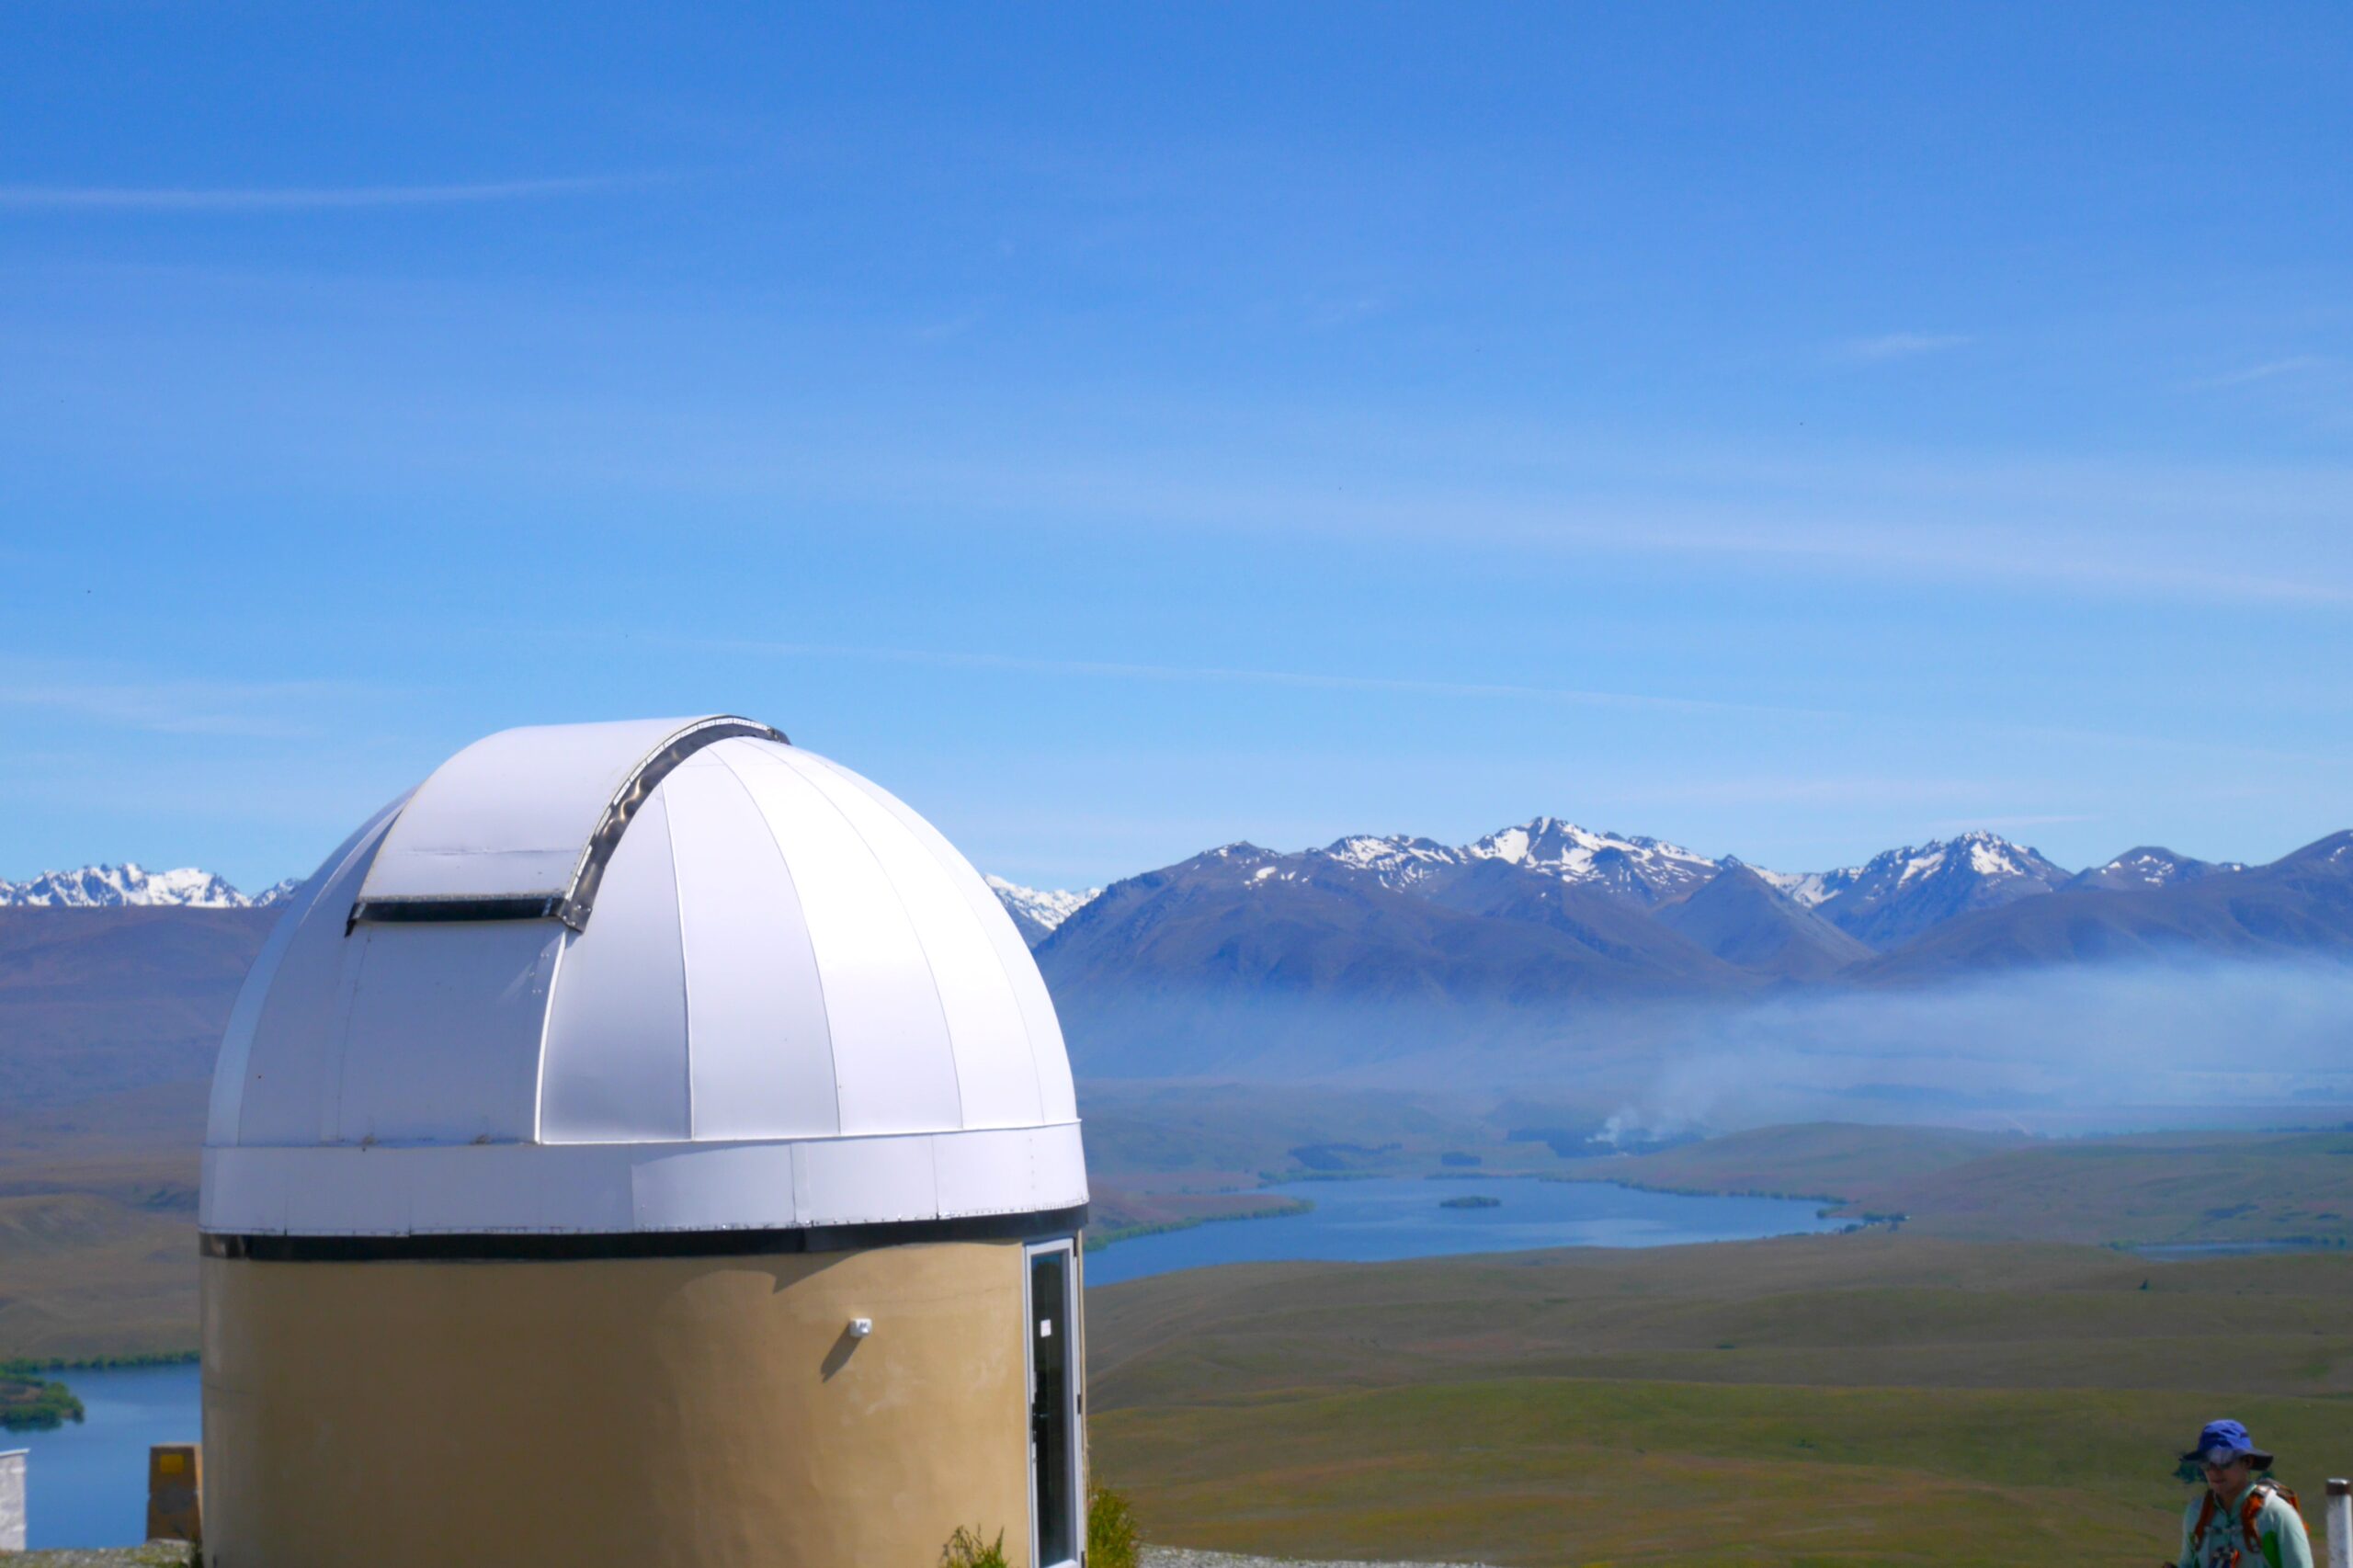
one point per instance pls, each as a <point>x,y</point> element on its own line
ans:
<point>2227,1481</point>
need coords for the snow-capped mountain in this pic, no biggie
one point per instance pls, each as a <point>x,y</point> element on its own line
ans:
<point>1808,889</point>
<point>1037,911</point>
<point>1397,861</point>
<point>1898,894</point>
<point>2336,852</point>
<point>2151,866</point>
<point>130,884</point>
<point>1649,871</point>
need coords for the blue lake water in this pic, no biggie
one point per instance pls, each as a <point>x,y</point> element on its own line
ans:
<point>87,1485</point>
<point>1377,1221</point>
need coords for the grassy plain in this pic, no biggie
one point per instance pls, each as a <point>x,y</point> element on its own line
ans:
<point>97,1194</point>
<point>98,1225</point>
<point>1869,1398</point>
<point>2160,1188</point>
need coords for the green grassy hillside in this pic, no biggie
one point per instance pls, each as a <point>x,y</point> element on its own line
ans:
<point>2156,1188</point>
<point>1821,1159</point>
<point>98,1225</point>
<point>1866,1398</point>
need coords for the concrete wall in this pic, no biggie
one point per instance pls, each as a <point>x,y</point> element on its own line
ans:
<point>653,1412</point>
<point>12,1500</point>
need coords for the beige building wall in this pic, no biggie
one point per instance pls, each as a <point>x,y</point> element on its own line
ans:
<point>711,1411</point>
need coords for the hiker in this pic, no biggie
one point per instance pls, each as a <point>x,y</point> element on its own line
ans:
<point>2245,1519</point>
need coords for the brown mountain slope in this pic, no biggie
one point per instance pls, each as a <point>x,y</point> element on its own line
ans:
<point>2299,906</point>
<point>1742,919</point>
<point>97,1000</point>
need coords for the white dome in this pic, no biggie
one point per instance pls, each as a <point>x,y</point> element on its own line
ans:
<point>659,976</point>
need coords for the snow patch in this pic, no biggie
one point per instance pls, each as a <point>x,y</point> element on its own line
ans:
<point>1048,907</point>
<point>131,885</point>
<point>1650,868</point>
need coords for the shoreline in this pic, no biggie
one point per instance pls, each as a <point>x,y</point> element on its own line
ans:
<point>1096,1240</point>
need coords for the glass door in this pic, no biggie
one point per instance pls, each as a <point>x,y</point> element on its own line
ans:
<point>1054,1498</point>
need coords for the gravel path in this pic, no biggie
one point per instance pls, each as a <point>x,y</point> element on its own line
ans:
<point>154,1554</point>
<point>1181,1557</point>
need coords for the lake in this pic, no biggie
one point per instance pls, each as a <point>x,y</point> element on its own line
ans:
<point>1379,1221</point>
<point>87,1485</point>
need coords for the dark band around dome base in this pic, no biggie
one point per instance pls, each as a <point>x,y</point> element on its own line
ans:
<point>540,1247</point>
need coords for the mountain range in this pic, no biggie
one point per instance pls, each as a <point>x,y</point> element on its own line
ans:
<point>1881,904</point>
<point>133,886</point>
<point>1404,936</point>
<point>1369,946</point>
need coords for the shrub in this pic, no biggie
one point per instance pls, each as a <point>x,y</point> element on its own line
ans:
<point>964,1549</point>
<point>1112,1539</point>
<point>35,1403</point>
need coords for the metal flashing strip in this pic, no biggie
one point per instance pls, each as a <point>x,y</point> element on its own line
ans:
<point>574,905</point>
<point>541,1248</point>
<point>574,910</point>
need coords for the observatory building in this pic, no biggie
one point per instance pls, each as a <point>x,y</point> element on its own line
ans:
<point>645,1143</point>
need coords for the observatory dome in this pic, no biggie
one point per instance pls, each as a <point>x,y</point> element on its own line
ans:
<point>668,975</point>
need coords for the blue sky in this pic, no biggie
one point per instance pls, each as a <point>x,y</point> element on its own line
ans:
<point>1791,431</point>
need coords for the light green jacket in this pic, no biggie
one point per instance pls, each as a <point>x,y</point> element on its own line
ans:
<point>2279,1539</point>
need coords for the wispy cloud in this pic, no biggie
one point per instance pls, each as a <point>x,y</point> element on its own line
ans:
<point>1873,790</point>
<point>1304,678</point>
<point>251,711</point>
<point>286,198</point>
<point>1917,535</point>
<point>1899,346</point>
<point>2294,364</point>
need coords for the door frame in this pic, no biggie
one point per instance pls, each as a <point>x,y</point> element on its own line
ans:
<point>1073,1399</point>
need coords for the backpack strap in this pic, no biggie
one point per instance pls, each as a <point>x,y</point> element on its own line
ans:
<point>2206,1512</point>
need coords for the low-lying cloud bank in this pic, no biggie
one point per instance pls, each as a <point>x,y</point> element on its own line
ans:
<point>2200,1042</point>
<point>2057,1050</point>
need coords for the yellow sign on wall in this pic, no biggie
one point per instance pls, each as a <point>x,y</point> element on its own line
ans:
<point>176,1492</point>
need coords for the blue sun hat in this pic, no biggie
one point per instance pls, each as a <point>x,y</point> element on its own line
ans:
<point>2223,1441</point>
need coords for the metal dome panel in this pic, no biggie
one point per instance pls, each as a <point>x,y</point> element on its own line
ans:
<point>613,1066</point>
<point>762,1063</point>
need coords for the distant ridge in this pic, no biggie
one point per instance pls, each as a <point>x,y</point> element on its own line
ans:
<point>133,886</point>
<point>1037,911</point>
<point>2148,866</point>
<point>1374,948</point>
<point>1646,871</point>
<point>2301,904</point>
<point>1745,920</point>
<point>1895,897</point>
<point>1881,904</point>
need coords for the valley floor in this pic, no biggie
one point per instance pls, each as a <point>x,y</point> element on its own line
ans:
<point>1868,1398</point>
